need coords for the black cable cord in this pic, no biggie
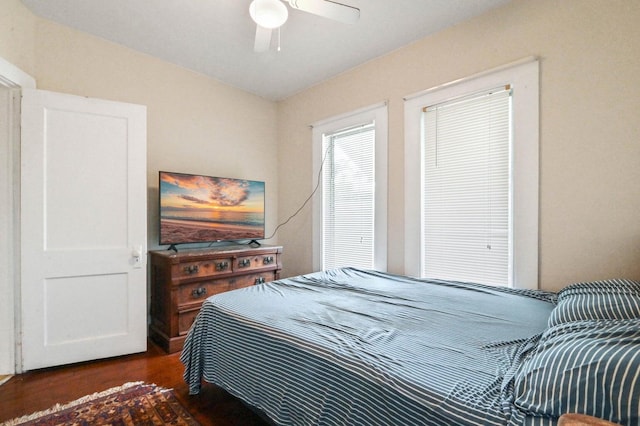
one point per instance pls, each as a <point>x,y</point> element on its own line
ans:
<point>308,198</point>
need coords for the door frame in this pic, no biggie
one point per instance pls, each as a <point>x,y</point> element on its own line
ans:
<point>12,81</point>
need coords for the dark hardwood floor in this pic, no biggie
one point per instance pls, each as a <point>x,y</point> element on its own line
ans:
<point>41,389</point>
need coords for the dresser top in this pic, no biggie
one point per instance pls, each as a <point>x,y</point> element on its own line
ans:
<point>226,250</point>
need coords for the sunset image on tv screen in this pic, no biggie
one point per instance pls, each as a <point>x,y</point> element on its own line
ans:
<point>196,208</point>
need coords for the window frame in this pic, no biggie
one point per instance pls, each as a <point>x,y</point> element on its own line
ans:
<point>523,77</point>
<point>379,114</point>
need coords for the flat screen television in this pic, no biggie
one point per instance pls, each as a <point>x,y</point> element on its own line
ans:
<point>204,209</point>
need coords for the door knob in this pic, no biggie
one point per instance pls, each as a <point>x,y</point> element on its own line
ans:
<point>136,254</point>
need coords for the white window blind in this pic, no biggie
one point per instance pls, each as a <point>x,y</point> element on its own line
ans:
<point>466,189</point>
<point>349,198</point>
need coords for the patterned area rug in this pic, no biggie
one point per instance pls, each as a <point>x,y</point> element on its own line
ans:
<point>130,404</point>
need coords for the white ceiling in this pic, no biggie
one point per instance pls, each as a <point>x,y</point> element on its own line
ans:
<point>215,37</point>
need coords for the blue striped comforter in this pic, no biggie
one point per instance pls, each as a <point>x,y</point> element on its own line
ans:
<point>358,347</point>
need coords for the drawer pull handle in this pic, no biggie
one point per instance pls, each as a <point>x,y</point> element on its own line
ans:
<point>199,292</point>
<point>191,269</point>
<point>221,266</point>
<point>267,260</point>
<point>243,263</point>
<point>260,280</point>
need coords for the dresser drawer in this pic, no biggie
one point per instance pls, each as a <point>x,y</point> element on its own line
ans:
<point>191,296</point>
<point>204,268</point>
<point>248,263</point>
<point>185,320</point>
<point>197,292</point>
<point>249,280</point>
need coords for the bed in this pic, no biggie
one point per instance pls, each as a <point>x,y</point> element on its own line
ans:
<point>358,347</point>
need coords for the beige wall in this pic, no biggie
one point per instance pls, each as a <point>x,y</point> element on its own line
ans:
<point>589,52</point>
<point>195,124</point>
<point>17,35</point>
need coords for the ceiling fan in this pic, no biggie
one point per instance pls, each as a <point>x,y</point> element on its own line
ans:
<point>271,14</point>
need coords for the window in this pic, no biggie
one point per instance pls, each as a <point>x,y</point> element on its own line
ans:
<point>350,161</point>
<point>348,198</point>
<point>465,188</point>
<point>471,179</point>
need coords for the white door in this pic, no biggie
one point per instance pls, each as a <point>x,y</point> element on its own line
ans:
<point>83,229</point>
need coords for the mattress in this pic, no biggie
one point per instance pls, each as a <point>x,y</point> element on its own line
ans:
<point>350,346</point>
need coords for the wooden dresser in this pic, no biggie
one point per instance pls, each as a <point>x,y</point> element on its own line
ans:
<point>181,281</point>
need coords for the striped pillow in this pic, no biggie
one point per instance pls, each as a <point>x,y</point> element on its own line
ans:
<point>610,299</point>
<point>586,367</point>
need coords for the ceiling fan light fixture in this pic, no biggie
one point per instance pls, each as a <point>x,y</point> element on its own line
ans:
<point>268,13</point>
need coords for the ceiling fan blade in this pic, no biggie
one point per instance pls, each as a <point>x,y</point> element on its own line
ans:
<point>263,39</point>
<point>328,9</point>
